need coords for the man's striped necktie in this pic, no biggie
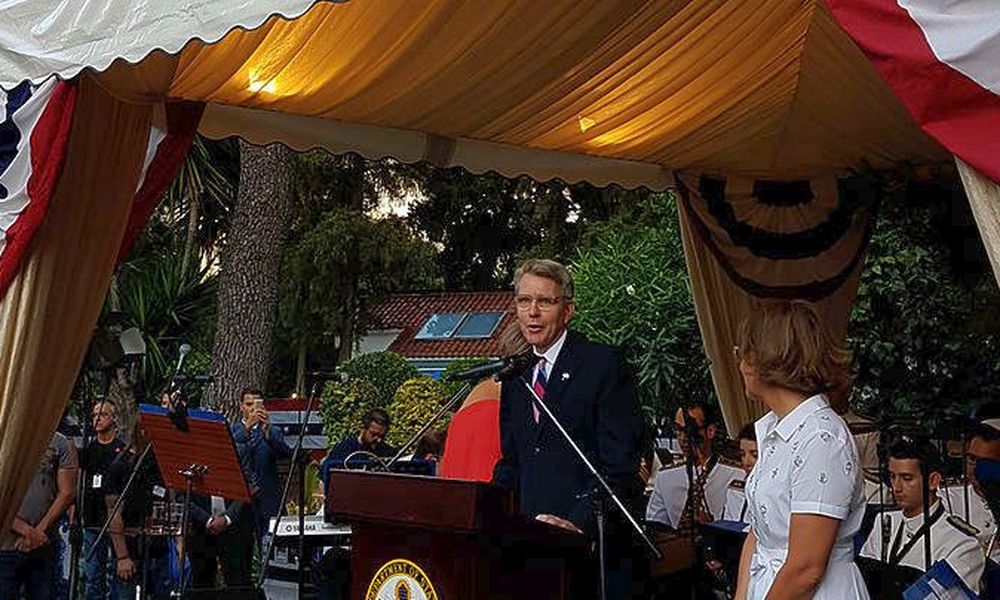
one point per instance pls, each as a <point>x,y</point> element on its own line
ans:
<point>539,386</point>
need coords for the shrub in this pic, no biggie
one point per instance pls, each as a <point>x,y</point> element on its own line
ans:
<point>457,366</point>
<point>384,370</point>
<point>344,404</point>
<point>414,404</point>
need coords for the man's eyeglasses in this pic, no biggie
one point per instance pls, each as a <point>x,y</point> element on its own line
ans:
<point>544,303</point>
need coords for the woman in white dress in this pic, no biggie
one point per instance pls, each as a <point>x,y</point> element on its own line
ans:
<point>805,495</point>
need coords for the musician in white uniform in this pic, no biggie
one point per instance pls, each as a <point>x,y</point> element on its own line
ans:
<point>736,499</point>
<point>985,443</point>
<point>711,477</point>
<point>952,539</point>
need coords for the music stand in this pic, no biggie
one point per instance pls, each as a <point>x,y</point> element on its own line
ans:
<point>197,459</point>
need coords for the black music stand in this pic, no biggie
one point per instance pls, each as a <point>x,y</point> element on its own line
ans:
<point>197,458</point>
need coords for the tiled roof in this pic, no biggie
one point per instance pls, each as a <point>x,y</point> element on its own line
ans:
<point>408,312</point>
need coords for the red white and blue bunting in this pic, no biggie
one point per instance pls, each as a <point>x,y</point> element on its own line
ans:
<point>35,124</point>
<point>942,59</point>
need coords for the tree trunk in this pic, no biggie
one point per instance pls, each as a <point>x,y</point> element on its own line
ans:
<point>194,215</point>
<point>350,316</point>
<point>248,278</point>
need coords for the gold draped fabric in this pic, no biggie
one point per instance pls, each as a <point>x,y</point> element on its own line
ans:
<point>770,88</point>
<point>49,311</point>
<point>746,239</point>
<point>984,197</point>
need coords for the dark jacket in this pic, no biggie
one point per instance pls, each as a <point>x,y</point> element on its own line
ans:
<point>591,394</point>
<point>261,467</point>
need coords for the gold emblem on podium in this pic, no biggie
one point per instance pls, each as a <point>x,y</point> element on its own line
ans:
<point>400,579</point>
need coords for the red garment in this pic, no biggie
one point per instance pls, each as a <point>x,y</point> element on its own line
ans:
<point>472,447</point>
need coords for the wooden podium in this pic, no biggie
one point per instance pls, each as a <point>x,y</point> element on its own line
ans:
<point>461,539</point>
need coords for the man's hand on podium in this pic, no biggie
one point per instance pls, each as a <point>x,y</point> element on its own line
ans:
<point>558,522</point>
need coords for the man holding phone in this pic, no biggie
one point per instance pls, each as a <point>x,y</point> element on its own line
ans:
<point>261,445</point>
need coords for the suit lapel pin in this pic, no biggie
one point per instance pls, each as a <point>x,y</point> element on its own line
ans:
<point>565,376</point>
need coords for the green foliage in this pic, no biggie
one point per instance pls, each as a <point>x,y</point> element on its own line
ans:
<point>384,370</point>
<point>414,403</point>
<point>340,268</point>
<point>457,366</point>
<point>344,404</point>
<point>632,291</point>
<point>170,305</point>
<point>486,224</point>
<point>373,381</point>
<point>922,329</point>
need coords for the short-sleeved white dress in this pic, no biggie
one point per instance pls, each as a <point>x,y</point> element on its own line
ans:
<point>808,464</point>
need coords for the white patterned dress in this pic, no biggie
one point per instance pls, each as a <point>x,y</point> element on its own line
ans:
<point>808,464</point>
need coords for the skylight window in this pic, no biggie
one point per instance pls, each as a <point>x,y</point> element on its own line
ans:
<point>467,326</point>
<point>479,325</point>
<point>440,326</point>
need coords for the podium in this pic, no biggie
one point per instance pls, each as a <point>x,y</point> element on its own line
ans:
<point>420,537</point>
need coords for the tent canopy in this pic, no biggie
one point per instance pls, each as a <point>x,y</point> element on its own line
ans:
<point>631,92</point>
<point>609,91</point>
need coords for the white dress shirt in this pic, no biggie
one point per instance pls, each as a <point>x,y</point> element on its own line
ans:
<point>552,354</point>
<point>807,464</point>
<point>670,491</point>
<point>948,543</point>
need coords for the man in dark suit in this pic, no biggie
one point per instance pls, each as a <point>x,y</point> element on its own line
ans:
<point>222,534</point>
<point>588,389</point>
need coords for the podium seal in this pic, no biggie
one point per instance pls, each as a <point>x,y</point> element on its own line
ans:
<point>400,579</point>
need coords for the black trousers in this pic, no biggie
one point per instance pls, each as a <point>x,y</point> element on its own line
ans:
<point>232,550</point>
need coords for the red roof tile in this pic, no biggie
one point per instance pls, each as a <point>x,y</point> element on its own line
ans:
<point>408,312</point>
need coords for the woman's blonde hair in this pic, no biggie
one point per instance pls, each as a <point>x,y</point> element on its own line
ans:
<point>512,341</point>
<point>788,345</point>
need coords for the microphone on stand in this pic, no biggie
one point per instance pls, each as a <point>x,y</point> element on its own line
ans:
<point>500,370</point>
<point>177,407</point>
<point>182,353</point>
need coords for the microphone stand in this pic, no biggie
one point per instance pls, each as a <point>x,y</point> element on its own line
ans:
<point>603,487</point>
<point>690,460</point>
<point>459,395</point>
<point>76,528</point>
<point>296,463</point>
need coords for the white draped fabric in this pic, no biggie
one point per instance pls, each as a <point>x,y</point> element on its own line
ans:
<point>40,38</point>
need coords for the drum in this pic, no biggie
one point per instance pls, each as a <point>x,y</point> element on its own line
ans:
<point>678,553</point>
<point>165,518</point>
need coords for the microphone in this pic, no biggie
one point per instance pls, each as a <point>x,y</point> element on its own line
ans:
<point>182,353</point>
<point>330,376</point>
<point>501,370</point>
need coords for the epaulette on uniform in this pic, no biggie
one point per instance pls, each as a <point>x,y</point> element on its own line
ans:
<point>962,525</point>
<point>737,484</point>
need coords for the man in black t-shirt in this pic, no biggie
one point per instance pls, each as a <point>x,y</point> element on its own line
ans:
<point>96,459</point>
<point>147,488</point>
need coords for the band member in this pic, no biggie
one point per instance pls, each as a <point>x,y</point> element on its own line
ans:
<point>27,550</point>
<point>100,567</point>
<point>670,503</point>
<point>984,443</point>
<point>146,489</point>
<point>586,387</point>
<point>371,439</point>
<point>952,539</point>
<point>736,499</point>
